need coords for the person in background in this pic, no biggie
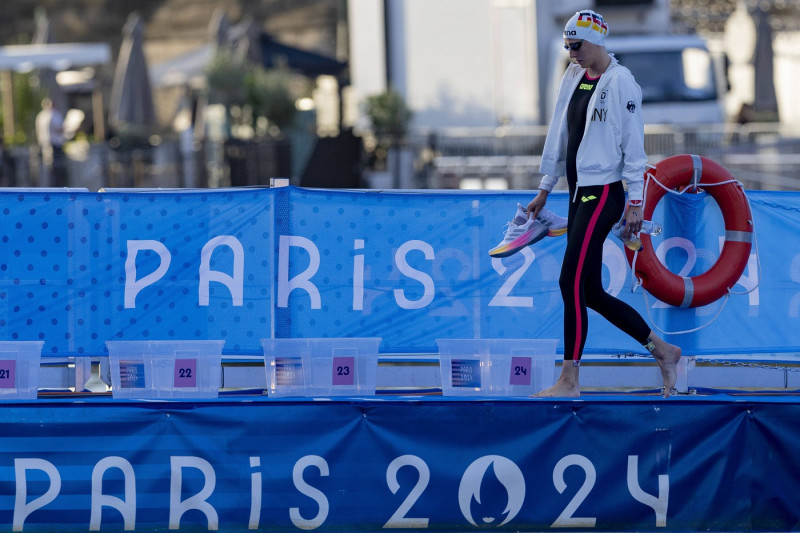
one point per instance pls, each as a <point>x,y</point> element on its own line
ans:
<point>8,170</point>
<point>50,135</point>
<point>596,139</point>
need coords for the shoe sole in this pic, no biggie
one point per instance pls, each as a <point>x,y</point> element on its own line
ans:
<point>517,245</point>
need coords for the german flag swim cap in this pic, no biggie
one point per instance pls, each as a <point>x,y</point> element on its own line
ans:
<point>588,26</point>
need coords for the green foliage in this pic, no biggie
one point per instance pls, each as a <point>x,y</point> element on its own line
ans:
<point>267,92</point>
<point>388,113</point>
<point>27,98</point>
<point>269,95</point>
<point>226,79</point>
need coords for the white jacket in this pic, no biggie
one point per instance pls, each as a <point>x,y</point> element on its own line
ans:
<point>613,141</point>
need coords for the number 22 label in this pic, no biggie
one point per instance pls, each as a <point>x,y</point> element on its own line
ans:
<point>185,373</point>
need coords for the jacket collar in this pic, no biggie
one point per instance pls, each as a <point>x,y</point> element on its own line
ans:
<point>580,71</point>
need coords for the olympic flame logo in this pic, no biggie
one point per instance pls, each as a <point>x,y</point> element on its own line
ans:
<point>508,474</point>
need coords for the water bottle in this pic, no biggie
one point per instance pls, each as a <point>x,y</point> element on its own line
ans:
<point>633,242</point>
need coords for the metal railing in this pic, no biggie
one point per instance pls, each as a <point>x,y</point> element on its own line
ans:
<point>761,155</point>
<point>168,164</point>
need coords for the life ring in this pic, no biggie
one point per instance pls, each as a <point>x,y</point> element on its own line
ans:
<point>692,171</point>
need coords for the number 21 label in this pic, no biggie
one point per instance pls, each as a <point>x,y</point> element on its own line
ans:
<point>7,371</point>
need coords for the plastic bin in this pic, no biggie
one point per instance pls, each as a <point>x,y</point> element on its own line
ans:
<point>19,369</point>
<point>321,367</point>
<point>496,367</point>
<point>165,369</point>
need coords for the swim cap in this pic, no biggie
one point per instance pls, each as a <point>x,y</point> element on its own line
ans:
<point>587,25</point>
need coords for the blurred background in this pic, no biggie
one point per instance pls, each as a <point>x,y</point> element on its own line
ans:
<point>411,94</point>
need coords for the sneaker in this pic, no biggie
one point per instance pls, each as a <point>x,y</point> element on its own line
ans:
<point>520,232</point>
<point>556,225</point>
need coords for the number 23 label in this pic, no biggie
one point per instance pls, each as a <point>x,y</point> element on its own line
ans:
<point>343,373</point>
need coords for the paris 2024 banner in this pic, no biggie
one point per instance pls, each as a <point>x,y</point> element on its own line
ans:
<point>80,268</point>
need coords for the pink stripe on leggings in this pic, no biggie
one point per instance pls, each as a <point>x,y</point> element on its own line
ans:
<point>576,355</point>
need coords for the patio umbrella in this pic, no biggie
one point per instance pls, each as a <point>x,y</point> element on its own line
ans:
<point>308,63</point>
<point>131,107</point>
<point>219,27</point>
<point>43,34</point>
<point>47,76</point>
<point>245,41</point>
<point>190,68</point>
<point>765,102</point>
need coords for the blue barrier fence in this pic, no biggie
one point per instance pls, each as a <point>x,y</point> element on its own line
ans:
<point>614,464</point>
<point>81,268</point>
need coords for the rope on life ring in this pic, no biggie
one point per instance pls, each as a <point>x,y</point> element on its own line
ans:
<point>690,172</point>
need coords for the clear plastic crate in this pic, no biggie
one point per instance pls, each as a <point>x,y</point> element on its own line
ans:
<point>19,369</point>
<point>165,369</point>
<point>321,367</point>
<point>496,367</point>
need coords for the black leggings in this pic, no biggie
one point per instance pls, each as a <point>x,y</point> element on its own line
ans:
<point>592,213</point>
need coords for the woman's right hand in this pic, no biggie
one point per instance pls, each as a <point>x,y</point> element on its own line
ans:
<point>537,204</point>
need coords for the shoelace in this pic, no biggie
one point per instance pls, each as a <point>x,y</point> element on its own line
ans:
<point>512,230</point>
<point>546,217</point>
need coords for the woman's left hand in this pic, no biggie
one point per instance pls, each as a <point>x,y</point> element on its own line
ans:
<point>633,219</point>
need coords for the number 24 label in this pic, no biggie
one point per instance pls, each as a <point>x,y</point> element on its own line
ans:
<point>520,371</point>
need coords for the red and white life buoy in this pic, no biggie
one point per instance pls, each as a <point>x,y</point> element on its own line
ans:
<point>683,172</point>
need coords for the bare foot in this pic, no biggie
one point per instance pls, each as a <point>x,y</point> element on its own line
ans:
<point>567,386</point>
<point>560,390</point>
<point>667,356</point>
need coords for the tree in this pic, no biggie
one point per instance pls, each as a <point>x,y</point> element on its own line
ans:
<point>269,95</point>
<point>27,98</point>
<point>266,93</point>
<point>388,114</point>
<point>390,118</point>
